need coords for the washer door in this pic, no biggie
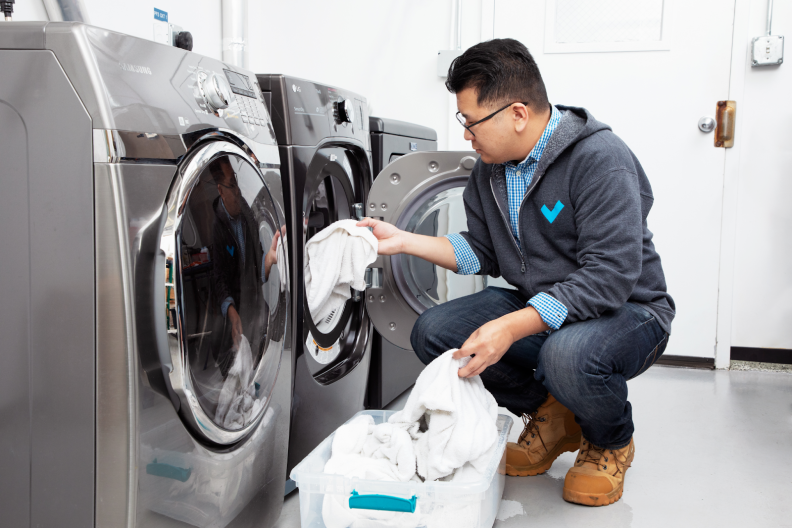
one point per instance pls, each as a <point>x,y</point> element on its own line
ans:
<point>226,292</point>
<point>335,342</point>
<point>420,193</point>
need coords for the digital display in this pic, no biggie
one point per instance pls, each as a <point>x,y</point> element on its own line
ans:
<point>240,84</point>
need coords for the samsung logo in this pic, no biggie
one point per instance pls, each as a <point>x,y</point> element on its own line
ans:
<point>135,69</point>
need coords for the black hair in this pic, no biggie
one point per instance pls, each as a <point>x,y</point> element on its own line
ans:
<point>501,71</point>
<point>216,169</point>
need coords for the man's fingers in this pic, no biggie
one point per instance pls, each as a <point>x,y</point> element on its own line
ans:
<point>471,367</point>
<point>464,352</point>
<point>366,222</point>
<point>478,371</point>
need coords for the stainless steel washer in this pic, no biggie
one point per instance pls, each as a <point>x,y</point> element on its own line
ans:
<point>142,198</point>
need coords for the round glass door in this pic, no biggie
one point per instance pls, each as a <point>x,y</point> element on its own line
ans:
<point>334,337</point>
<point>426,285</point>
<point>226,292</point>
<point>421,193</point>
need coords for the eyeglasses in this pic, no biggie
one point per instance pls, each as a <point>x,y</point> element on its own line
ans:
<point>232,187</point>
<point>462,119</point>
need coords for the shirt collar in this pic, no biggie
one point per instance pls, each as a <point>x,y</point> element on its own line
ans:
<point>536,153</point>
<point>230,218</point>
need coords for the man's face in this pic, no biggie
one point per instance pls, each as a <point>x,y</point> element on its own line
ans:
<point>497,139</point>
<point>229,191</point>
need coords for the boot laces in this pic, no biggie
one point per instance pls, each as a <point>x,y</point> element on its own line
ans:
<point>532,422</point>
<point>601,458</point>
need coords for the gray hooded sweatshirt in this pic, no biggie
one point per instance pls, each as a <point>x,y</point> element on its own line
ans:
<point>582,224</point>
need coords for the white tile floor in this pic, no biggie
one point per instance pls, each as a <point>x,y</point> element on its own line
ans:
<point>713,448</point>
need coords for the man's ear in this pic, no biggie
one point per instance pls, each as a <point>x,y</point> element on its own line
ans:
<point>521,116</point>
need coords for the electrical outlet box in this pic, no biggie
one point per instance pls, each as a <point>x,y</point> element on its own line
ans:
<point>767,51</point>
<point>444,60</point>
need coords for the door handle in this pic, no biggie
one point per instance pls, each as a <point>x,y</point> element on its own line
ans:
<point>726,113</point>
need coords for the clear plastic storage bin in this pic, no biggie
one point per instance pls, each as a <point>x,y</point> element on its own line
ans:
<point>471,504</point>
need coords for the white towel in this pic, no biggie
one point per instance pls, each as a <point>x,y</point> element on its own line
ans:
<point>460,419</point>
<point>237,405</point>
<point>336,259</point>
<point>446,431</point>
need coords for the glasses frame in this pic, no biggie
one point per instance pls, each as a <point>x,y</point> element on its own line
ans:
<point>461,118</point>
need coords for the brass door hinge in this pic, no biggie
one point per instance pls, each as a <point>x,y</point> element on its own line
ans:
<point>726,116</point>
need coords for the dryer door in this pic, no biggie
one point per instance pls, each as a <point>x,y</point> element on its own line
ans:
<point>226,292</point>
<point>420,193</point>
<point>335,342</point>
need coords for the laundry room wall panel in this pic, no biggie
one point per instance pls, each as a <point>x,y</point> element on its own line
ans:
<point>14,320</point>
<point>762,310</point>
<point>385,51</point>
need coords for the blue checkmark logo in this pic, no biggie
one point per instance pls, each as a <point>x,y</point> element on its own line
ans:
<point>551,215</point>
<point>230,249</point>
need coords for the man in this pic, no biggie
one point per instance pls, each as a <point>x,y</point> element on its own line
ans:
<point>239,266</point>
<point>557,205</point>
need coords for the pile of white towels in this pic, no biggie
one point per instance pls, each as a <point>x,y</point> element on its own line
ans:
<point>447,431</point>
<point>237,405</point>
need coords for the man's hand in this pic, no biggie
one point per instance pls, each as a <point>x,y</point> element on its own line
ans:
<point>391,239</point>
<point>489,343</point>
<point>272,255</point>
<point>236,325</point>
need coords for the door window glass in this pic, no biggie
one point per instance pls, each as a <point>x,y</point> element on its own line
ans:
<point>232,291</point>
<point>443,213</point>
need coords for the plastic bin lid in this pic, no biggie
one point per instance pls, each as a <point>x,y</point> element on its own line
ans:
<point>384,125</point>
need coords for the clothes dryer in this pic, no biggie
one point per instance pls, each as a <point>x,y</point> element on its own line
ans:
<point>393,369</point>
<point>325,153</point>
<point>147,361</point>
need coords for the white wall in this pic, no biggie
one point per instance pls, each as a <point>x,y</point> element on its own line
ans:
<point>762,299</point>
<point>384,50</point>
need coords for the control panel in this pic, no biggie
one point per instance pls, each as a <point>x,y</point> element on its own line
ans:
<point>235,98</point>
<point>306,113</point>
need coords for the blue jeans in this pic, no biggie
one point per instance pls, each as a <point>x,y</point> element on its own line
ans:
<point>585,365</point>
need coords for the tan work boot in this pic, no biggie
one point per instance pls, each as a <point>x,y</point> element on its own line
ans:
<point>597,478</point>
<point>548,432</point>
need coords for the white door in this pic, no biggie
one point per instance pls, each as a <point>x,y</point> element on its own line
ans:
<point>650,69</point>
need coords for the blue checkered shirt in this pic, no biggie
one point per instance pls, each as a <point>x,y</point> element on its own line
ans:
<point>518,179</point>
<point>239,235</point>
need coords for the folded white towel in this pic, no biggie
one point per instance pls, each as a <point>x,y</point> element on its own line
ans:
<point>238,405</point>
<point>336,259</point>
<point>459,416</point>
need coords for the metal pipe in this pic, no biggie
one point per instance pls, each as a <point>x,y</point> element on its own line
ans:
<point>769,16</point>
<point>66,11</point>
<point>459,25</point>
<point>235,30</point>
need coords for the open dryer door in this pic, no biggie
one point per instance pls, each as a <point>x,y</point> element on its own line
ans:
<point>336,182</point>
<point>420,193</point>
<point>222,274</point>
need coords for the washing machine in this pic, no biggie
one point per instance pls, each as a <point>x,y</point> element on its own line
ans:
<point>146,376</point>
<point>393,369</point>
<point>325,153</point>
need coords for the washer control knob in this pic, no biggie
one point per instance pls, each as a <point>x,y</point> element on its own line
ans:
<point>216,91</point>
<point>345,111</point>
